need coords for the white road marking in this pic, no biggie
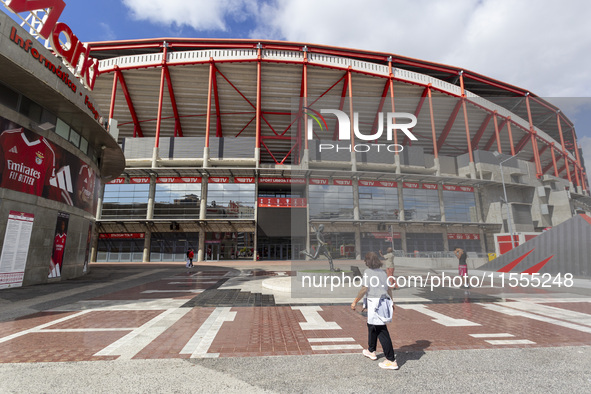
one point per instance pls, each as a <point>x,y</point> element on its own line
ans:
<point>315,340</point>
<point>201,341</point>
<point>496,335</point>
<point>439,318</point>
<point>41,327</point>
<point>514,312</point>
<point>173,291</point>
<point>510,342</point>
<point>336,347</point>
<point>313,319</point>
<point>551,311</point>
<point>122,305</point>
<point>132,343</point>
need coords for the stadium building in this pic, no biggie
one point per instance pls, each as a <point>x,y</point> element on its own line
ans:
<point>243,148</point>
<point>54,154</point>
<point>237,146</point>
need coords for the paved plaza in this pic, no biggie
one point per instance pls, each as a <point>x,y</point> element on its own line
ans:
<point>237,326</point>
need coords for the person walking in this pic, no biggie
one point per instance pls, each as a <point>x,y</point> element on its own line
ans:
<point>463,265</point>
<point>379,310</point>
<point>389,257</point>
<point>190,255</point>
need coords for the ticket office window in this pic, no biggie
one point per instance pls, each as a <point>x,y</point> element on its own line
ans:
<point>421,205</point>
<point>230,200</point>
<point>177,200</point>
<point>378,203</point>
<point>126,201</point>
<point>459,206</point>
<point>424,242</point>
<point>330,202</point>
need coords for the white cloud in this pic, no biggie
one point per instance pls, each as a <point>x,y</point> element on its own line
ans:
<point>197,14</point>
<point>542,46</point>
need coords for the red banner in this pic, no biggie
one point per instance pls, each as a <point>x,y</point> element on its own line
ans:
<point>219,179</point>
<point>318,181</point>
<point>274,202</point>
<point>293,181</point>
<point>242,179</point>
<point>177,179</point>
<point>410,185</point>
<point>122,236</point>
<point>377,183</point>
<point>342,182</point>
<point>430,186</point>
<point>144,179</point>
<point>454,188</point>
<point>463,236</point>
<point>385,235</point>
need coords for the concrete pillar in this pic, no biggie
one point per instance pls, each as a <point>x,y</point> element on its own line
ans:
<point>441,202</point>
<point>202,218</point>
<point>397,163</point>
<point>206,156</point>
<point>437,166</point>
<point>147,245</point>
<point>400,201</point>
<point>445,239</point>
<point>151,198</point>
<point>155,157</point>
<point>482,240</point>
<point>356,217</point>
<point>358,243</point>
<point>478,201</point>
<point>255,243</point>
<point>99,205</point>
<point>307,195</point>
<point>403,238</point>
<point>94,247</point>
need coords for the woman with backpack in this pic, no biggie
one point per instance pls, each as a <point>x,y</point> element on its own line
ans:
<point>379,310</point>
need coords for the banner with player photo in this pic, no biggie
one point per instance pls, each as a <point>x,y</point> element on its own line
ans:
<point>59,245</point>
<point>29,163</point>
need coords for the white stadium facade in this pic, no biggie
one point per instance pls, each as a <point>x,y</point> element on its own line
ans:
<point>234,146</point>
<point>242,148</point>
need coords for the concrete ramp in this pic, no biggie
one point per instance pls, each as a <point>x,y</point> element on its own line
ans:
<point>563,249</point>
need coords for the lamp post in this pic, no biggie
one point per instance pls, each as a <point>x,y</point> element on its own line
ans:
<point>509,216</point>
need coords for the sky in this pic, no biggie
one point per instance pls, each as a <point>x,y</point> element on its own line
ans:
<point>543,46</point>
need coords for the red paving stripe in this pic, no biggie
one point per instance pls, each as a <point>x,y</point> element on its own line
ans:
<point>258,331</point>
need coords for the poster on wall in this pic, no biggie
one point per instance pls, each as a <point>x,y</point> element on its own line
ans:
<point>15,248</point>
<point>30,164</point>
<point>59,245</point>
<point>87,253</point>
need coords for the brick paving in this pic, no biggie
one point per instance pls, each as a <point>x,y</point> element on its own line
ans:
<point>189,314</point>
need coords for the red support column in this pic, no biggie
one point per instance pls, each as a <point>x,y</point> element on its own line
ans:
<point>564,152</point>
<point>466,118</point>
<point>433,134</point>
<point>449,124</point>
<point>161,96</point>
<point>351,114</point>
<point>510,136</point>
<point>208,116</point>
<point>113,95</point>
<point>335,135</point>
<point>534,141</point>
<point>305,99</point>
<point>554,160</point>
<point>218,117</point>
<point>391,80</point>
<point>497,136</point>
<point>137,129</point>
<point>258,106</point>
<point>416,113</point>
<point>177,119</point>
<point>481,131</point>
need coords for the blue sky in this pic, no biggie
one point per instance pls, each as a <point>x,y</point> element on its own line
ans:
<point>543,46</point>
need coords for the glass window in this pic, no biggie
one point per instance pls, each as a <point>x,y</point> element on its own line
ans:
<point>125,201</point>
<point>459,206</point>
<point>83,145</point>
<point>62,129</point>
<point>177,200</point>
<point>378,203</point>
<point>469,245</point>
<point>8,97</point>
<point>421,205</point>
<point>330,202</point>
<point>74,138</point>
<point>230,200</point>
<point>424,242</point>
<point>30,109</point>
